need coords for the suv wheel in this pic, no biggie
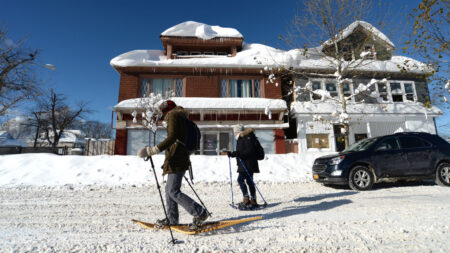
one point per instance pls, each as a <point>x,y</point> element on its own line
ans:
<point>360,178</point>
<point>443,174</point>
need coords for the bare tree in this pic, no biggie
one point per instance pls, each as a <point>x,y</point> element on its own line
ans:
<point>57,116</point>
<point>17,79</point>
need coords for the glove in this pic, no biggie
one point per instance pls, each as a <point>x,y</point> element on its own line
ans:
<point>232,154</point>
<point>148,151</point>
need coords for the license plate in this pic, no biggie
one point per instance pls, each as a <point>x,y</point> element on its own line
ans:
<point>316,176</point>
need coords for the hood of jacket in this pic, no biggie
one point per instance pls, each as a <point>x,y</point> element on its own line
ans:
<point>247,132</point>
<point>177,111</point>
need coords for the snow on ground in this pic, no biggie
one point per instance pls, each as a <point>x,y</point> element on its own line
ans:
<point>52,203</point>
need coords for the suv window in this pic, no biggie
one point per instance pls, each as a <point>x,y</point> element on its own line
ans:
<point>412,142</point>
<point>388,144</point>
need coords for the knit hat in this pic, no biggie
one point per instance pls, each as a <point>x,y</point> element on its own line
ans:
<point>167,106</point>
<point>238,128</point>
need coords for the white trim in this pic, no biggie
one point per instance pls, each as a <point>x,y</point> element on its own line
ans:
<point>323,83</point>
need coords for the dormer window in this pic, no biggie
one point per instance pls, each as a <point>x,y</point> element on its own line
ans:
<point>369,52</point>
<point>347,51</point>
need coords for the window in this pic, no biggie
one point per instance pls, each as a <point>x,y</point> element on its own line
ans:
<point>382,90</point>
<point>195,53</point>
<point>222,53</point>
<point>240,88</point>
<point>412,142</point>
<point>317,141</point>
<point>347,89</point>
<point>402,91</point>
<point>359,137</point>
<point>224,88</point>
<point>181,53</point>
<point>316,85</point>
<point>157,86</point>
<point>331,88</point>
<point>388,144</point>
<point>214,143</point>
<point>208,53</point>
<point>347,51</point>
<point>144,88</point>
<point>257,84</point>
<point>179,87</point>
<point>396,92</point>
<point>409,91</point>
<point>369,51</point>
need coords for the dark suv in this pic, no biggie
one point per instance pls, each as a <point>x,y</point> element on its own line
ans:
<point>390,157</point>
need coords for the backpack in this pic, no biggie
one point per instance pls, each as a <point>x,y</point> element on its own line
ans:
<point>193,135</point>
<point>259,150</point>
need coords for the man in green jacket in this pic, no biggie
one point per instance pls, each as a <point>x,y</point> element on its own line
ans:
<point>175,165</point>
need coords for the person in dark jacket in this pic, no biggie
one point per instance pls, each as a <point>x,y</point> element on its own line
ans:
<point>246,151</point>
<point>176,163</point>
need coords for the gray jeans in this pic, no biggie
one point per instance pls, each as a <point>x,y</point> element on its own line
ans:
<point>175,197</point>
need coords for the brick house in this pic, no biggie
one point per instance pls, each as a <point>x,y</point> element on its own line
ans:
<point>214,76</point>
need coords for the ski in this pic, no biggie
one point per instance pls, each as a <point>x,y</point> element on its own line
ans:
<point>205,227</point>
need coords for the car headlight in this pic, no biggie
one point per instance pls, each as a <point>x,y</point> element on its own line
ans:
<point>336,160</point>
<point>336,173</point>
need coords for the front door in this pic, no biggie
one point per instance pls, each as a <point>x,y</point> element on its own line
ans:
<point>389,160</point>
<point>339,137</point>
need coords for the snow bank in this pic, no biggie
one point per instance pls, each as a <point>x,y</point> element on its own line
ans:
<point>54,170</point>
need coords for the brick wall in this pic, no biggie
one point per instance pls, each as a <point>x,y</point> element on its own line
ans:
<point>271,90</point>
<point>280,143</point>
<point>129,86</point>
<point>202,86</point>
<point>120,147</point>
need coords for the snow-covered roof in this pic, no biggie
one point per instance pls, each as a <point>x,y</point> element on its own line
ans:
<point>349,30</point>
<point>71,136</point>
<point>257,56</point>
<point>201,31</point>
<point>330,107</point>
<point>201,103</point>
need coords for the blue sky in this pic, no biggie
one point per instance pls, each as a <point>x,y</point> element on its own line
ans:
<point>81,37</point>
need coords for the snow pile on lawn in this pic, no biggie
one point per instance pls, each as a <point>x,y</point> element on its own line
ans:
<point>54,170</point>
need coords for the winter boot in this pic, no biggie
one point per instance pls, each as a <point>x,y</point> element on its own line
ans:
<point>163,222</point>
<point>197,222</point>
<point>253,204</point>
<point>244,204</point>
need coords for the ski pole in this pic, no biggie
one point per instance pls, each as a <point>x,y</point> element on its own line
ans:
<point>173,241</point>
<point>201,202</point>
<point>231,182</point>
<point>265,203</point>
